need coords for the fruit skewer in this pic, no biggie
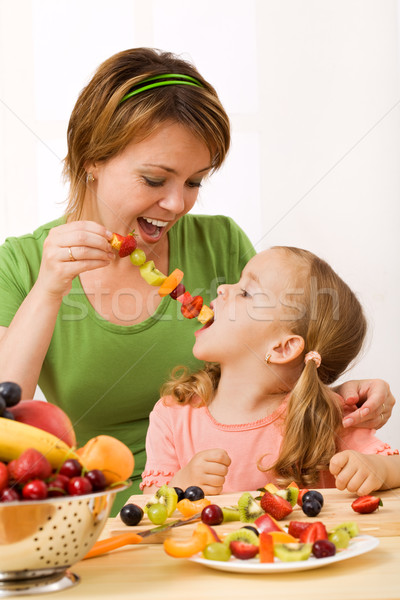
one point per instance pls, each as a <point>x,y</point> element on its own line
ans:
<point>192,306</point>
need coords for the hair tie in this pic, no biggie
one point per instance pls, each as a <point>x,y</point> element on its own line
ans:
<point>161,80</point>
<point>313,355</point>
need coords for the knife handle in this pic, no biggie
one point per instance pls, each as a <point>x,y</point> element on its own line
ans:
<point>117,541</point>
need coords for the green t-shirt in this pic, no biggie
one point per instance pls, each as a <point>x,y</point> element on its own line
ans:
<point>107,377</point>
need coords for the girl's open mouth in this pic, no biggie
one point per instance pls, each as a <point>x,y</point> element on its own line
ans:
<point>206,326</point>
<point>151,230</point>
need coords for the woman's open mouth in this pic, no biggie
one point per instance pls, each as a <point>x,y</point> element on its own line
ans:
<point>151,230</point>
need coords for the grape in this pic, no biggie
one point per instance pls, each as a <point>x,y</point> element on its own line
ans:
<point>180,493</point>
<point>340,538</point>
<point>10,392</point>
<point>323,548</point>
<point>157,513</point>
<point>212,514</point>
<point>217,551</point>
<point>194,493</point>
<point>311,507</point>
<point>313,494</point>
<point>131,514</point>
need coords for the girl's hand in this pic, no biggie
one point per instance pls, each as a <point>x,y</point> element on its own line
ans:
<point>87,242</point>
<point>372,403</point>
<point>207,469</point>
<point>356,472</point>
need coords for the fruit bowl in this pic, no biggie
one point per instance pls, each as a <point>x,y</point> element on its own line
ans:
<point>40,540</point>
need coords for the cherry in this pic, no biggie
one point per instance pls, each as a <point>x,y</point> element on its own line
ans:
<point>57,486</point>
<point>323,548</point>
<point>77,486</point>
<point>35,490</point>
<point>97,479</point>
<point>212,515</point>
<point>71,468</point>
<point>9,495</point>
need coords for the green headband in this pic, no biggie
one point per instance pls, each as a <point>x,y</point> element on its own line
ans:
<point>160,80</point>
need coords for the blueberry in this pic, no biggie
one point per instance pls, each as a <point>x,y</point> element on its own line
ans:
<point>180,493</point>
<point>311,507</point>
<point>10,392</point>
<point>131,514</point>
<point>194,493</point>
<point>313,494</point>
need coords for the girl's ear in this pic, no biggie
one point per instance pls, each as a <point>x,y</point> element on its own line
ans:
<point>91,167</point>
<point>287,349</point>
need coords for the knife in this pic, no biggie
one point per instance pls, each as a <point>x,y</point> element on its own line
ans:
<point>124,539</point>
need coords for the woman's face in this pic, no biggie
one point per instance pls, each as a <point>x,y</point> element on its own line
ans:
<point>250,315</point>
<point>150,184</point>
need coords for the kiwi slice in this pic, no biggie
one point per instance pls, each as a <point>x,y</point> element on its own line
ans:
<point>249,509</point>
<point>164,495</point>
<point>290,494</point>
<point>242,535</point>
<point>230,513</point>
<point>292,552</point>
<point>350,526</point>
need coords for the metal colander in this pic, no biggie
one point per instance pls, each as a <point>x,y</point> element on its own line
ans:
<point>40,539</point>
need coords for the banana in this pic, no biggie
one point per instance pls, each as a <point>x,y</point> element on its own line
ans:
<point>16,437</point>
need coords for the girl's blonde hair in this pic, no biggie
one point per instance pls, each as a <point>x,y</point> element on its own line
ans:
<point>101,126</point>
<point>331,321</point>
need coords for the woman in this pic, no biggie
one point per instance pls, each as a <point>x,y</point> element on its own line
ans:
<point>79,320</point>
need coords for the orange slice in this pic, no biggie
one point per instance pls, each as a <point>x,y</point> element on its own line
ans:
<point>281,537</point>
<point>170,283</point>
<point>190,507</point>
<point>186,548</point>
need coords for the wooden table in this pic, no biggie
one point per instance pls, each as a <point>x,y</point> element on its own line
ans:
<point>146,572</point>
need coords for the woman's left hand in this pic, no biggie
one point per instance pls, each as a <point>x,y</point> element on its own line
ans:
<point>372,400</point>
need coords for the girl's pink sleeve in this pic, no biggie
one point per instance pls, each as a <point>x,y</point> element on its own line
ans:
<point>364,441</point>
<point>161,459</point>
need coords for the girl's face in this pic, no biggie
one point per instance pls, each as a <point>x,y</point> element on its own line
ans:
<point>249,315</point>
<point>150,184</point>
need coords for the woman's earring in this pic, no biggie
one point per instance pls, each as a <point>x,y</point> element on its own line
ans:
<point>267,358</point>
<point>89,178</point>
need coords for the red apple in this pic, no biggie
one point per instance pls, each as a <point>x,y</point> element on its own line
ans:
<point>46,416</point>
<point>266,523</point>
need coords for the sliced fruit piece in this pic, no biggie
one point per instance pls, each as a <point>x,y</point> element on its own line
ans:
<point>366,504</point>
<point>290,494</point>
<point>281,537</point>
<point>277,507</point>
<point>267,523</point>
<point>296,527</point>
<point>230,513</point>
<point>150,274</point>
<point>116,241</point>
<point>217,551</point>
<point>189,508</point>
<point>315,531</point>
<point>164,495</point>
<point>212,535</point>
<point>266,548</point>
<point>350,526</point>
<point>170,283</point>
<point>242,535</point>
<point>292,552</point>
<point>205,315</point>
<point>186,548</point>
<point>271,488</point>
<point>128,245</point>
<point>243,550</point>
<point>300,496</point>
<point>191,309</point>
<point>249,509</point>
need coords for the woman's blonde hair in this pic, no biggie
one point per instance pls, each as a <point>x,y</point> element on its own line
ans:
<point>331,321</point>
<point>101,126</point>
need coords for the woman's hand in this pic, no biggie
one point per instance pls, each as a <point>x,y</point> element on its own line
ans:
<point>207,469</point>
<point>358,473</point>
<point>69,250</point>
<point>372,403</point>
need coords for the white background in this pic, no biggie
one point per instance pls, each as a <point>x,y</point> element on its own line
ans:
<point>312,89</point>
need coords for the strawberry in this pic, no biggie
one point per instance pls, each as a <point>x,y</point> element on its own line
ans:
<point>31,465</point>
<point>300,496</point>
<point>297,527</point>
<point>275,505</point>
<point>116,241</point>
<point>191,309</point>
<point>366,504</point>
<point>243,550</point>
<point>128,245</point>
<point>3,476</point>
<point>315,531</point>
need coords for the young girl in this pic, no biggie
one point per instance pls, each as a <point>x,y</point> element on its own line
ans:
<point>262,411</point>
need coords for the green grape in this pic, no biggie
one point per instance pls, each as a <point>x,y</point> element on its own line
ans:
<point>340,538</point>
<point>137,257</point>
<point>157,513</point>
<point>217,551</point>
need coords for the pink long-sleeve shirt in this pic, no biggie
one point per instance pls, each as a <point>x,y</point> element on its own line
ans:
<point>177,432</point>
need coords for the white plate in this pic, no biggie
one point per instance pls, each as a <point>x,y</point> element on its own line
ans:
<point>358,545</point>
